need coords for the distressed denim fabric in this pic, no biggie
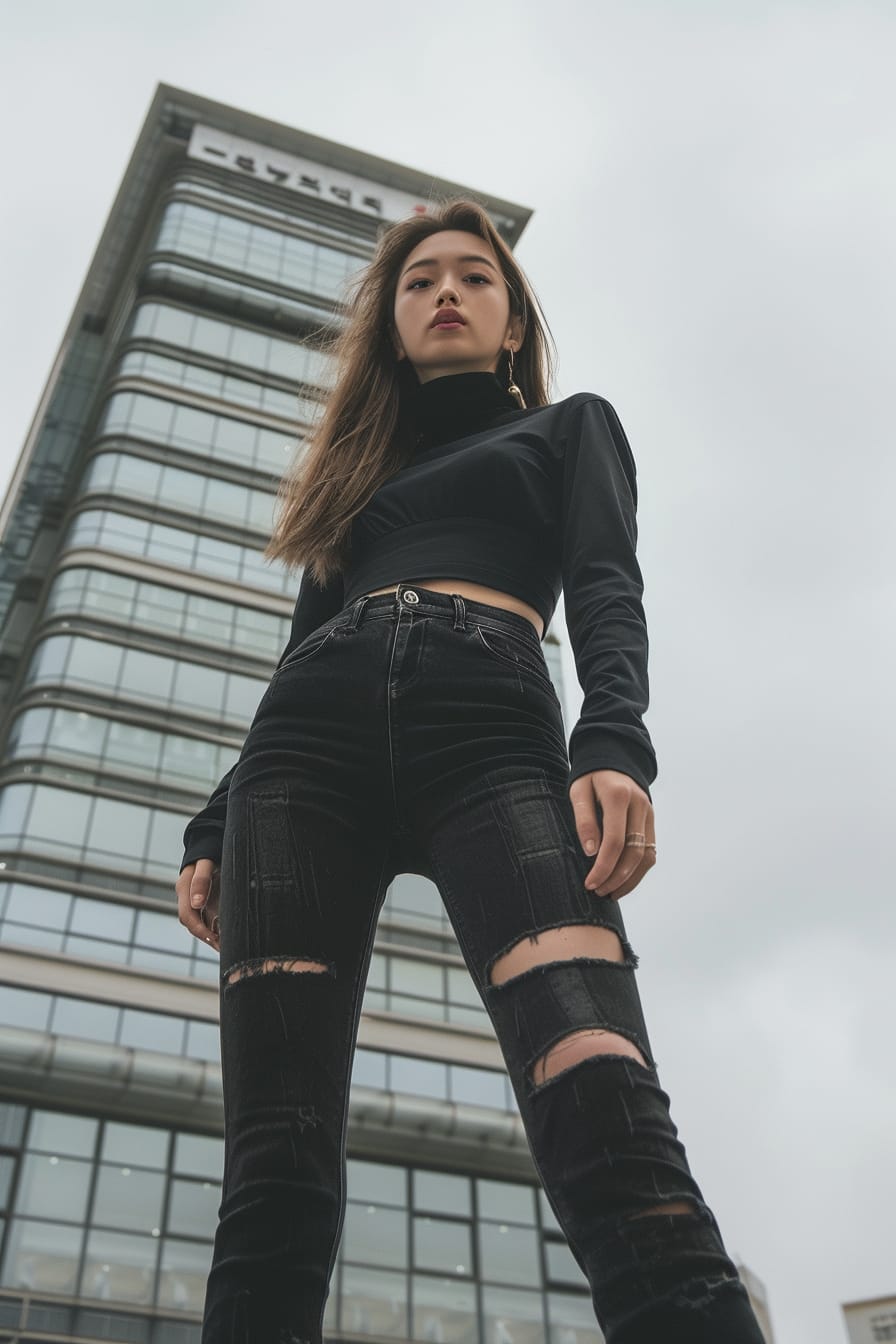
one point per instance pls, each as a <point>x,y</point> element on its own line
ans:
<point>420,732</point>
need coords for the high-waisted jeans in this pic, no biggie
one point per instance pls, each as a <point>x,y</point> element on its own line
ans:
<point>419,732</point>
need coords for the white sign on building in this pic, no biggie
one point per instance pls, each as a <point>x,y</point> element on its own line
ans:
<point>304,176</point>
<point>872,1321</point>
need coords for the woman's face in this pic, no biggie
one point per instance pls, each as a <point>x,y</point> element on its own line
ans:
<point>453,269</point>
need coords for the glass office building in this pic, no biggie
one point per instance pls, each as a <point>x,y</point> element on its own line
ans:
<point>130,539</point>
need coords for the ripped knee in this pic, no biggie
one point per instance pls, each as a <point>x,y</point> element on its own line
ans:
<point>548,948</point>
<point>264,965</point>
<point>559,944</point>
<point>677,1206</point>
<point>581,1045</point>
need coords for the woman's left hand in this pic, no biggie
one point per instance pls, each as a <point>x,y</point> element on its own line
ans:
<point>626,810</point>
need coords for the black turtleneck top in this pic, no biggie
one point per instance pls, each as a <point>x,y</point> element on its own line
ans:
<point>527,501</point>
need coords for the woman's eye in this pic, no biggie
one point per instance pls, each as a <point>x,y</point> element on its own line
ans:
<point>415,283</point>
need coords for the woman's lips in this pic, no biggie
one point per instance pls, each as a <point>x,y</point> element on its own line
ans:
<point>447,326</point>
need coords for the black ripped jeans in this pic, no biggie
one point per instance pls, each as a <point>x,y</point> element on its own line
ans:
<point>420,732</point>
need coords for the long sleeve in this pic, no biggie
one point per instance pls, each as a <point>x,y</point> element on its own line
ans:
<point>602,592</point>
<point>204,835</point>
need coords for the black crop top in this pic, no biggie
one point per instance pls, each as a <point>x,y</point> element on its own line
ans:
<point>526,502</point>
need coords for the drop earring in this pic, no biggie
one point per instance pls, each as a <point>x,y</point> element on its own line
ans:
<point>511,385</point>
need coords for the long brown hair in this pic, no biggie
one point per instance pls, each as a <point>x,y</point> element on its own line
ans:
<point>364,434</point>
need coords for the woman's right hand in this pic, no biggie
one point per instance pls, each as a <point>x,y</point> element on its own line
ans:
<point>198,890</point>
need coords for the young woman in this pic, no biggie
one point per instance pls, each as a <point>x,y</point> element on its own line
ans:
<point>411,725</point>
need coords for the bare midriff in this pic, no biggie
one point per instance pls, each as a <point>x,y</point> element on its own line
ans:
<point>476,592</point>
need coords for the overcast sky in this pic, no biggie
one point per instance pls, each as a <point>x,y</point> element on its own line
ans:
<point>712,244</point>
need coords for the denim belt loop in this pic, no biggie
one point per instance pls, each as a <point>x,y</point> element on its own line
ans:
<point>357,608</point>
<point>460,612</point>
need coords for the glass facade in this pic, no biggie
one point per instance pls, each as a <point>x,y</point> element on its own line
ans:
<point>175,489</point>
<point>131,672</point>
<point>193,334</point>
<point>121,1215</point>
